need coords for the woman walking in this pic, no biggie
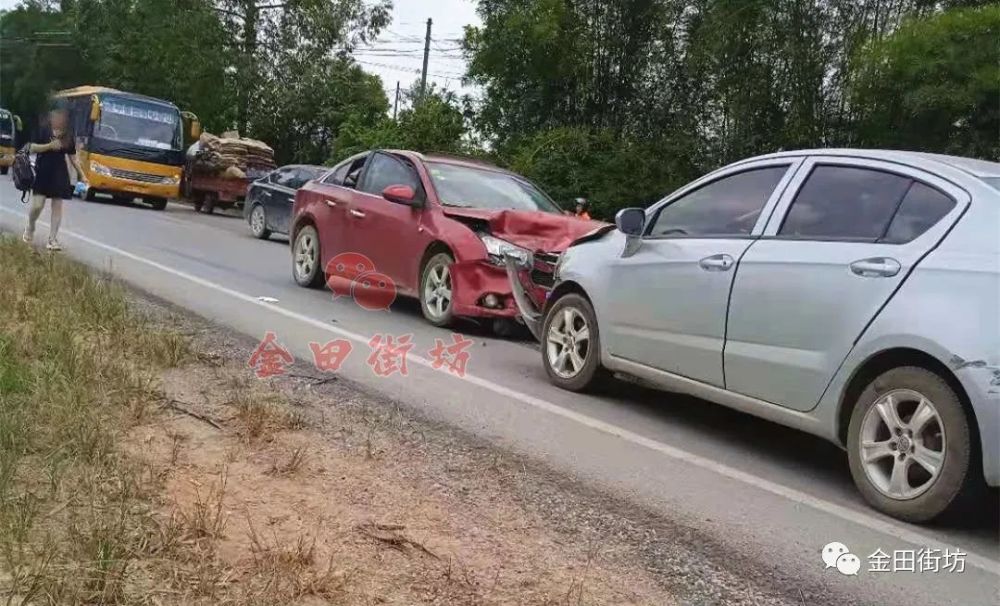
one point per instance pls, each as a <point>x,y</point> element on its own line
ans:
<point>54,149</point>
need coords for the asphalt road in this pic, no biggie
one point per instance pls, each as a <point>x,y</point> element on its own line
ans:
<point>770,495</point>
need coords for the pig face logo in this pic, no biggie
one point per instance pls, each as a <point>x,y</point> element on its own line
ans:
<point>374,291</point>
<point>344,269</point>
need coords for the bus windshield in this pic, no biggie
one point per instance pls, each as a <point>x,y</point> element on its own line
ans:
<point>138,123</point>
<point>6,126</point>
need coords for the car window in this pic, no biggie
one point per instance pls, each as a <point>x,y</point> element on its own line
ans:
<point>301,176</point>
<point>845,203</point>
<point>275,176</point>
<point>386,170</point>
<point>285,178</point>
<point>729,206</point>
<point>922,207</point>
<point>337,176</point>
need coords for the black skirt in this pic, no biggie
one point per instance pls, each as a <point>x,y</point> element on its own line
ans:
<point>52,175</point>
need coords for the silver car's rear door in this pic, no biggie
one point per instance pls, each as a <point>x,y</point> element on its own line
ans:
<point>840,243</point>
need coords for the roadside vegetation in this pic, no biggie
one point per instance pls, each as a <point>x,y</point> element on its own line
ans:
<point>77,370</point>
<point>139,466</point>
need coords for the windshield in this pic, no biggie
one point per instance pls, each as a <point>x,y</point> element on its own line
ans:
<point>6,126</point>
<point>479,188</point>
<point>138,123</point>
<point>993,182</point>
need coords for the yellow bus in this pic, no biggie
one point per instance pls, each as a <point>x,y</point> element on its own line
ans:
<point>9,126</point>
<point>130,146</point>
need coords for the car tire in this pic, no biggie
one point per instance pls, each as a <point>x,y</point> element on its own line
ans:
<point>307,258</point>
<point>435,287</point>
<point>157,203</point>
<point>258,222</point>
<point>947,438</point>
<point>4,170</point>
<point>586,373</point>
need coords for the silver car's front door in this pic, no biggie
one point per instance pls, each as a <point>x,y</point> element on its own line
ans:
<point>841,242</point>
<point>667,308</point>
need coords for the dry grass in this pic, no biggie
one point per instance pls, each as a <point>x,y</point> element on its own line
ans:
<point>77,369</point>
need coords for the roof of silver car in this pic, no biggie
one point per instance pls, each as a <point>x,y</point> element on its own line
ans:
<point>979,168</point>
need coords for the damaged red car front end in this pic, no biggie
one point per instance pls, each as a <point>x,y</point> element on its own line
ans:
<point>533,239</point>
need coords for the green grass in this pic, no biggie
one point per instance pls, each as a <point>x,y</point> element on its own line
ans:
<point>77,370</point>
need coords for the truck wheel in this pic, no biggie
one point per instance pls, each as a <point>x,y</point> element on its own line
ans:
<point>157,203</point>
<point>910,446</point>
<point>209,204</point>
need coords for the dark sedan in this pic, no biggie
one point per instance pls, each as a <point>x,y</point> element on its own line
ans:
<point>269,200</point>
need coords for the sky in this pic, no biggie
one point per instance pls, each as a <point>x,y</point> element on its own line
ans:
<point>398,53</point>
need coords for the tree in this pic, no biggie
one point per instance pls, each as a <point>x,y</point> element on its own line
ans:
<point>270,38</point>
<point>434,123</point>
<point>37,57</point>
<point>302,117</point>
<point>934,85</point>
<point>170,50</point>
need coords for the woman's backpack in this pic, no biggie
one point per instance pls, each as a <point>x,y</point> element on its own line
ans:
<point>23,173</point>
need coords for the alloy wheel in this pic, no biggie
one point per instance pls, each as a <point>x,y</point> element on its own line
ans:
<point>568,343</point>
<point>306,255</point>
<point>902,445</point>
<point>438,291</point>
<point>257,223</point>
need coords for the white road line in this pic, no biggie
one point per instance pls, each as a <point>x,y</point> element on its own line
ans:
<point>866,520</point>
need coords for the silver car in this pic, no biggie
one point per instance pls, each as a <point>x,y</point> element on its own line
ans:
<point>852,294</point>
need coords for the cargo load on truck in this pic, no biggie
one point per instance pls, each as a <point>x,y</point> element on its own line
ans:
<point>218,156</point>
<point>220,169</point>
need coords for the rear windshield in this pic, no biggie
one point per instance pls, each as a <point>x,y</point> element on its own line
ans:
<point>994,182</point>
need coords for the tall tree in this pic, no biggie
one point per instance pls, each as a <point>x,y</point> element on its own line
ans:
<point>933,85</point>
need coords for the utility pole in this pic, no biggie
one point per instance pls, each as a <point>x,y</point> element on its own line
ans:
<point>395,107</point>
<point>427,56</point>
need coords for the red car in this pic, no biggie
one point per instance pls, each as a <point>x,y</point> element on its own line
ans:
<point>427,226</point>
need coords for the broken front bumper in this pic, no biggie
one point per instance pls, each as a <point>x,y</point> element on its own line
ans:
<point>531,312</point>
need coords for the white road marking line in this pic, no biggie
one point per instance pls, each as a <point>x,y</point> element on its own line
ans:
<point>868,521</point>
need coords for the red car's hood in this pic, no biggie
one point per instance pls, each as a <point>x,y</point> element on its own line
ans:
<point>533,230</point>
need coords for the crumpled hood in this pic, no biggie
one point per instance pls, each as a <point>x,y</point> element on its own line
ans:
<point>533,230</point>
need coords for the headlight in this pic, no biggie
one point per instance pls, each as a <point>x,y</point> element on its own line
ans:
<point>171,180</point>
<point>100,169</point>
<point>497,249</point>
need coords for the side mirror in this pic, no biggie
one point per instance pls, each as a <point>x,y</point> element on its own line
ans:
<point>95,109</point>
<point>401,194</point>
<point>631,221</point>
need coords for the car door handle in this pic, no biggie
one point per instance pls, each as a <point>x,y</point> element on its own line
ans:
<point>717,263</point>
<point>876,267</point>
<point>331,204</point>
<point>357,213</point>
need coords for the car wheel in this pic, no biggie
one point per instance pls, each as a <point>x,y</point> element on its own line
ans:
<point>436,290</point>
<point>306,258</point>
<point>571,346</point>
<point>910,445</point>
<point>157,203</point>
<point>4,170</point>
<point>258,223</point>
